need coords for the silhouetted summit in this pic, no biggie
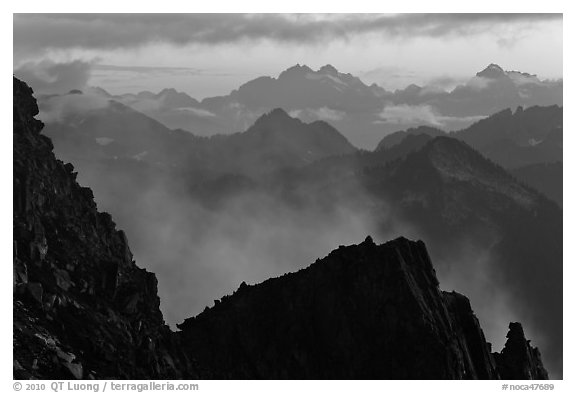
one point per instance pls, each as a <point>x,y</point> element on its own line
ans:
<point>277,140</point>
<point>295,71</point>
<point>492,71</point>
<point>365,311</point>
<point>518,360</point>
<point>396,137</point>
<point>276,115</point>
<point>328,69</point>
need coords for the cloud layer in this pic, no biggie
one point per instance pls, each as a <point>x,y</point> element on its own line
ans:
<point>116,31</point>
<point>48,77</point>
<point>410,115</point>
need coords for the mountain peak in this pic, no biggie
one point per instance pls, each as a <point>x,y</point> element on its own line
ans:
<point>277,115</point>
<point>98,91</point>
<point>413,88</point>
<point>295,71</point>
<point>455,160</point>
<point>492,71</point>
<point>518,359</point>
<point>328,69</point>
<point>174,98</point>
<point>258,314</point>
<point>168,91</point>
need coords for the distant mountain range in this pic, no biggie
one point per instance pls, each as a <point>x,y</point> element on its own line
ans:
<point>526,141</point>
<point>118,132</point>
<point>86,126</point>
<point>363,113</point>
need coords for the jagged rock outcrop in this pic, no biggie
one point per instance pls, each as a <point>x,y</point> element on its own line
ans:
<point>365,311</point>
<point>518,359</point>
<point>82,308</point>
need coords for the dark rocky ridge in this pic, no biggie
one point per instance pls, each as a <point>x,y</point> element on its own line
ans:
<point>83,309</point>
<point>365,311</point>
<point>518,360</point>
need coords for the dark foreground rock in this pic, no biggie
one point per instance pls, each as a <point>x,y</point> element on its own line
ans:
<point>518,360</point>
<point>365,311</point>
<point>84,309</point>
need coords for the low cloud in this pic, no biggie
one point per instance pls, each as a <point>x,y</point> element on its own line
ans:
<point>410,115</point>
<point>144,105</point>
<point>479,83</point>
<point>445,82</point>
<point>48,77</point>
<point>521,79</point>
<point>295,113</point>
<point>325,113</point>
<point>199,112</point>
<point>202,252</point>
<point>69,107</point>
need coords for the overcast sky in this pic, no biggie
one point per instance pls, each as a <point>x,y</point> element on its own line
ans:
<point>211,54</point>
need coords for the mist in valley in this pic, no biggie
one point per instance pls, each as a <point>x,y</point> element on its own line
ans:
<point>202,249</point>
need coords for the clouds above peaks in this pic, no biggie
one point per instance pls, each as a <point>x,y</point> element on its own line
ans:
<point>121,31</point>
<point>325,113</point>
<point>49,77</point>
<point>66,109</point>
<point>199,112</point>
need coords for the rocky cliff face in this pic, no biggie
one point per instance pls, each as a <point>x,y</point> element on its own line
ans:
<point>84,309</point>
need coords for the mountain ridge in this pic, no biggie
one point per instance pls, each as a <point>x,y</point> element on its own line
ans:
<point>401,267</point>
<point>362,112</point>
<point>117,131</point>
<point>510,138</point>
